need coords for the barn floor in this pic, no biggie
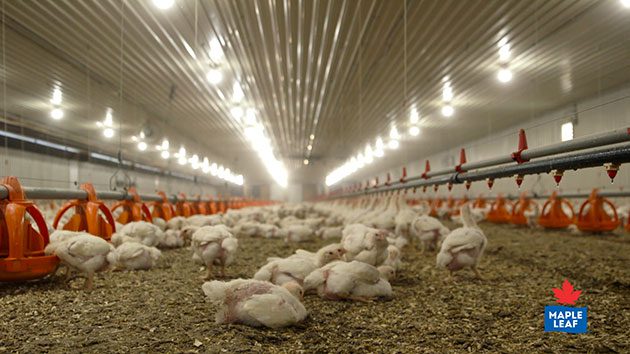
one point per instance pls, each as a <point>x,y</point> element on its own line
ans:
<point>164,309</point>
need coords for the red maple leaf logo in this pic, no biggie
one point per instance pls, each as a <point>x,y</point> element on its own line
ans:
<point>566,295</point>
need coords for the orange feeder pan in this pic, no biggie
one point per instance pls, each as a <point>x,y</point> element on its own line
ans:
<point>520,207</point>
<point>553,215</point>
<point>86,215</point>
<point>499,213</point>
<point>163,209</point>
<point>21,246</point>
<point>457,210</point>
<point>435,205</point>
<point>183,207</point>
<point>592,216</point>
<point>132,210</point>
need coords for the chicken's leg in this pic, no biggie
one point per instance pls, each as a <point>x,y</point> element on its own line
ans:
<point>89,282</point>
<point>208,275</point>
<point>477,274</point>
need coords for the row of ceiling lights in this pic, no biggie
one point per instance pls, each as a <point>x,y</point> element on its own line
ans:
<point>244,117</point>
<point>107,124</point>
<point>504,75</point>
<point>365,158</point>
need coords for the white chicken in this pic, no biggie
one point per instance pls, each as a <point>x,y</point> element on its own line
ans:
<point>142,231</point>
<point>159,222</point>
<point>297,266</point>
<point>329,232</point>
<point>256,303</point>
<point>354,280</point>
<point>214,245</point>
<point>298,233</point>
<point>463,247</point>
<point>365,244</point>
<point>83,252</point>
<point>176,223</point>
<point>134,256</point>
<point>393,258</point>
<point>429,231</point>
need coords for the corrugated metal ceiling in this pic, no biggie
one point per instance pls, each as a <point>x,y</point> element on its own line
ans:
<point>334,69</point>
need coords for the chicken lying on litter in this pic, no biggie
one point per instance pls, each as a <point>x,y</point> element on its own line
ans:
<point>365,244</point>
<point>214,245</point>
<point>354,280</point>
<point>134,256</point>
<point>299,265</point>
<point>159,222</point>
<point>82,252</point>
<point>463,247</point>
<point>298,233</point>
<point>256,303</point>
<point>429,231</point>
<point>330,232</point>
<point>139,231</point>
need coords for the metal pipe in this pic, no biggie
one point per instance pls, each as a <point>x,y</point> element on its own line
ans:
<point>590,141</point>
<point>620,154</point>
<point>60,193</point>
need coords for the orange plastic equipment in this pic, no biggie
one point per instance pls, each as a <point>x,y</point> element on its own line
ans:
<point>479,203</point>
<point>457,209</point>
<point>523,204</point>
<point>133,210</point>
<point>435,205</point>
<point>183,207</point>
<point>499,213</point>
<point>592,216</point>
<point>163,209</point>
<point>214,207</point>
<point>553,216</point>
<point>201,207</point>
<point>86,215</point>
<point>21,246</point>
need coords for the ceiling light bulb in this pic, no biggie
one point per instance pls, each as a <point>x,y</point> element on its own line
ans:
<point>625,3</point>
<point>214,76</point>
<point>165,144</point>
<point>109,118</point>
<point>447,93</point>
<point>505,75</point>
<point>134,138</point>
<point>414,131</point>
<point>216,51</point>
<point>393,133</point>
<point>379,144</point>
<point>237,92</point>
<point>448,111</point>
<point>108,132</point>
<point>194,159</point>
<point>181,160</point>
<point>414,117</point>
<point>56,114</point>
<point>142,136</point>
<point>142,146</point>
<point>163,4</point>
<point>165,154</point>
<point>306,161</point>
<point>379,153</point>
<point>504,52</point>
<point>393,144</point>
<point>250,116</point>
<point>312,136</point>
<point>309,147</point>
<point>57,96</point>
<point>237,112</point>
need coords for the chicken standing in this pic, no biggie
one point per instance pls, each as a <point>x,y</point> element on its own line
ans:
<point>214,245</point>
<point>463,247</point>
<point>429,231</point>
<point>256,303</point>
<point>83,252</point>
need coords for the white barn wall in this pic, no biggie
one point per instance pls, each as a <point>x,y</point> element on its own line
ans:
<point>39,170</point>
<point>599,114</point>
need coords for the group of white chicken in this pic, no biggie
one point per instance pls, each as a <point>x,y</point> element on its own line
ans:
<point>370,237</point>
